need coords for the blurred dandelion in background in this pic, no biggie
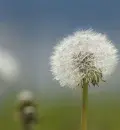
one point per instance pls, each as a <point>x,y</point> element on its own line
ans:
<point>27,109</point>
<point>9,69</point>
<point>8,66</point>
<point>83,59</point>
<point>25,95</point>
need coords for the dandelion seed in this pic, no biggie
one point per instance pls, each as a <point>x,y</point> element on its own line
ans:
<point>85,54</point>
<point>81,59</point>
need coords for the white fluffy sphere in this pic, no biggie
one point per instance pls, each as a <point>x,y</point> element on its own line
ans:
<point>29,109</point>
<point>9,68</point>
<point>25,95</point>
<point>77,54</point>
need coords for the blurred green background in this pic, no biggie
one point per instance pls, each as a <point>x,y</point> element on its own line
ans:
<point>64,112</point>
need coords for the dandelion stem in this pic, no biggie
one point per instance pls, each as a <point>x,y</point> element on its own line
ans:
<point>84,107</point>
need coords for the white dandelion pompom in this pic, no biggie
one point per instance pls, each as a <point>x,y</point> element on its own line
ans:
<point>25,95</point>
<point>9,69</point>
<point>84,55</point>
<point>29,109</point>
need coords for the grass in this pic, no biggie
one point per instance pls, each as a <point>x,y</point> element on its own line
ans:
<point>65,114</point>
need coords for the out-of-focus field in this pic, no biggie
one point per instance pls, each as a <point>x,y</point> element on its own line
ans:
<point>64,113</point>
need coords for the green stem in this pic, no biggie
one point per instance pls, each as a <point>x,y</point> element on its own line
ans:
<point>84,107</point>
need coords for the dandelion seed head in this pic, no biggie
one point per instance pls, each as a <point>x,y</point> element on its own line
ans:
<point>29,110</point>
<point>25,95</point>
<point>84,55</point>
<point>8,66</point>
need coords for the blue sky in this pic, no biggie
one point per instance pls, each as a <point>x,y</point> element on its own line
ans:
<point>94,11</point>
<point>30,28</point>
<point>58,17</point>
